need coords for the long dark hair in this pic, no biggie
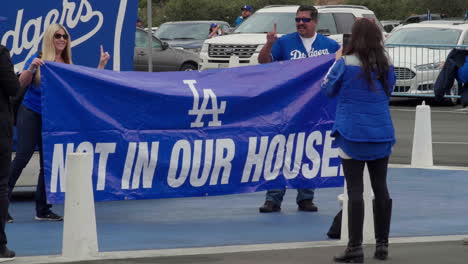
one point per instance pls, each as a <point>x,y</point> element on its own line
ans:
<point>367,44</point>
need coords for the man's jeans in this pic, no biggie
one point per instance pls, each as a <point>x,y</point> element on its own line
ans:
<point>276,196</point>
<point>28,128</point>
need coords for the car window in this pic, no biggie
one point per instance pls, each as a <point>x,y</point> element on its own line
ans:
<point>344,22</point>
<point>263,23</point>
<point>326,22</point>
<point>373,17</point>
<point>141,40</point>
<point>181,31</point>
<point>425,36</point>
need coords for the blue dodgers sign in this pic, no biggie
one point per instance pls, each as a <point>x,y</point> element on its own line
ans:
<point>178,134</point>
<point>91,23</point>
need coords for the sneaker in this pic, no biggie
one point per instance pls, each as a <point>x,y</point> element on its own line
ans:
<point>307,206</point>
<point>7,255</point>
<point>269,207</point>
<point>51,216</point>
<point>9,218</point>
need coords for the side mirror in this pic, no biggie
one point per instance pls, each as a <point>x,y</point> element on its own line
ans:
<point>324,31</point>
<point>165,46</point>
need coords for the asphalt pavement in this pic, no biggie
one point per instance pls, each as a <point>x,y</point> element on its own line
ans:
<point>449,132</point>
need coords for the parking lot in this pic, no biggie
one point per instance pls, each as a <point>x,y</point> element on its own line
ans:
<point>449,124</point>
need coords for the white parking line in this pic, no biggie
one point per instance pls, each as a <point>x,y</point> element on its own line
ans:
<point>458,111</point>
<point>451,143</point>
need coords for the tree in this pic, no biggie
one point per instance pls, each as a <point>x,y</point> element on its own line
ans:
<point>400,9</point>
<point>179,10</point>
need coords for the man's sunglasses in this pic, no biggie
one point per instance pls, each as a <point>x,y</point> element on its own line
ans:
<point>58,36</point>
<point>303,19</point>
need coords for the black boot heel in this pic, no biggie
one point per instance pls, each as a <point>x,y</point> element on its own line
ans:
<point>381,251</point>
<point>352,254</point>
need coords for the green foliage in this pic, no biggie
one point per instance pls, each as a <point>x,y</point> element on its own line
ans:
<point>400,9</point>
<point>179,10</point>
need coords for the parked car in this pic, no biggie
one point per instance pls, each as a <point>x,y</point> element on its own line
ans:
<point>188,35</point>
<point>389,25</point>
<point>419,52</point>
<point>248,39</point>
<point>165,57</point>
<point>420,18</point>
<point>153,29</point>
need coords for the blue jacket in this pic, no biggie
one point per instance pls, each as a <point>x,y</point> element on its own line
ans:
<point>463,72</point>
<point>363,113</point>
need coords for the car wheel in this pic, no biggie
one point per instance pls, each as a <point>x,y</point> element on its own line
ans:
<point>453,92</point>
<point>188,67</point>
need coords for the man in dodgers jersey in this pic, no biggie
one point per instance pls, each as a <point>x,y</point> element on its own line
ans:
<point>304,43</point>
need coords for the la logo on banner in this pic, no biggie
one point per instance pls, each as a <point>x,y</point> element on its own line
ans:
<point>202,110</point>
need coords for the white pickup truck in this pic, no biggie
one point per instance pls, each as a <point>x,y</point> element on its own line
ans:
<point>248,39</point>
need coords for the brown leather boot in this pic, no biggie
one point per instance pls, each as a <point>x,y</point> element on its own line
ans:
<point>269,207</point>
<point>307,206</point>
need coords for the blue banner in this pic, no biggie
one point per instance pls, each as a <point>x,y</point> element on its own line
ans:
<point>179,134</point>
<point>91,23</point>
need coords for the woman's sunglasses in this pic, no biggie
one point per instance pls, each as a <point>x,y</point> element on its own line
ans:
<point>303,19</point>
<point>58,36</point>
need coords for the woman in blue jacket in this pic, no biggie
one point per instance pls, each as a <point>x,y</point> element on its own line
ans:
<point>362,81</point>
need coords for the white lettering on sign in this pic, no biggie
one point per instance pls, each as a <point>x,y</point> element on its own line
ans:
<point>70,16</point>
<point>202,109</point>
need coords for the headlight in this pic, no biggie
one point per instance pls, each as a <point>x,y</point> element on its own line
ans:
<point>430,66</point>
<point>196,50</point>
<point>259,48</point>
<point>204,48</point>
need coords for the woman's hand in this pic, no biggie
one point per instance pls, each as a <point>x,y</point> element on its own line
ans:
<point>339,54</point>
<point>104,58</point>
<point>36,63</point>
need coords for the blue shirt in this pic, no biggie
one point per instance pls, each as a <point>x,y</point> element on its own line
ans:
<point>32,98</point>
<point>463,72</point>
<point>238,21</point>
<point>290,47</point>
<point>363,126</point>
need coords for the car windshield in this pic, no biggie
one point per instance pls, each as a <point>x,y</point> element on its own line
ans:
<point>195,31</point>
<point>263,22</point>
<point>425,36</point>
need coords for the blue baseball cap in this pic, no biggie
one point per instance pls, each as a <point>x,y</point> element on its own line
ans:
<point>213,25</point>
<point>247,7</point>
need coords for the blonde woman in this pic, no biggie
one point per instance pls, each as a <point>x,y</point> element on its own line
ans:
<point>56,46</point>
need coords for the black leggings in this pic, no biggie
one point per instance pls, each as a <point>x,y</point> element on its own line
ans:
<point>354,170</point>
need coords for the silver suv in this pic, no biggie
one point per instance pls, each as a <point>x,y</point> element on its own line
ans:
<point>248,39</point>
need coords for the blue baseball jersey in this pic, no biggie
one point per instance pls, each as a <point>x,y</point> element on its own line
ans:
<point>290,47</point>
<point>238,21</point>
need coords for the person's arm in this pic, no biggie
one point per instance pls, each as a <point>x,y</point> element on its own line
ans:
<point>104,59</point>
<point>265,54</point>
<point>214,32</point>
<point>8,79</point>
<point>463,72</point>
<point>26,76</point>
<point>331,84</point>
